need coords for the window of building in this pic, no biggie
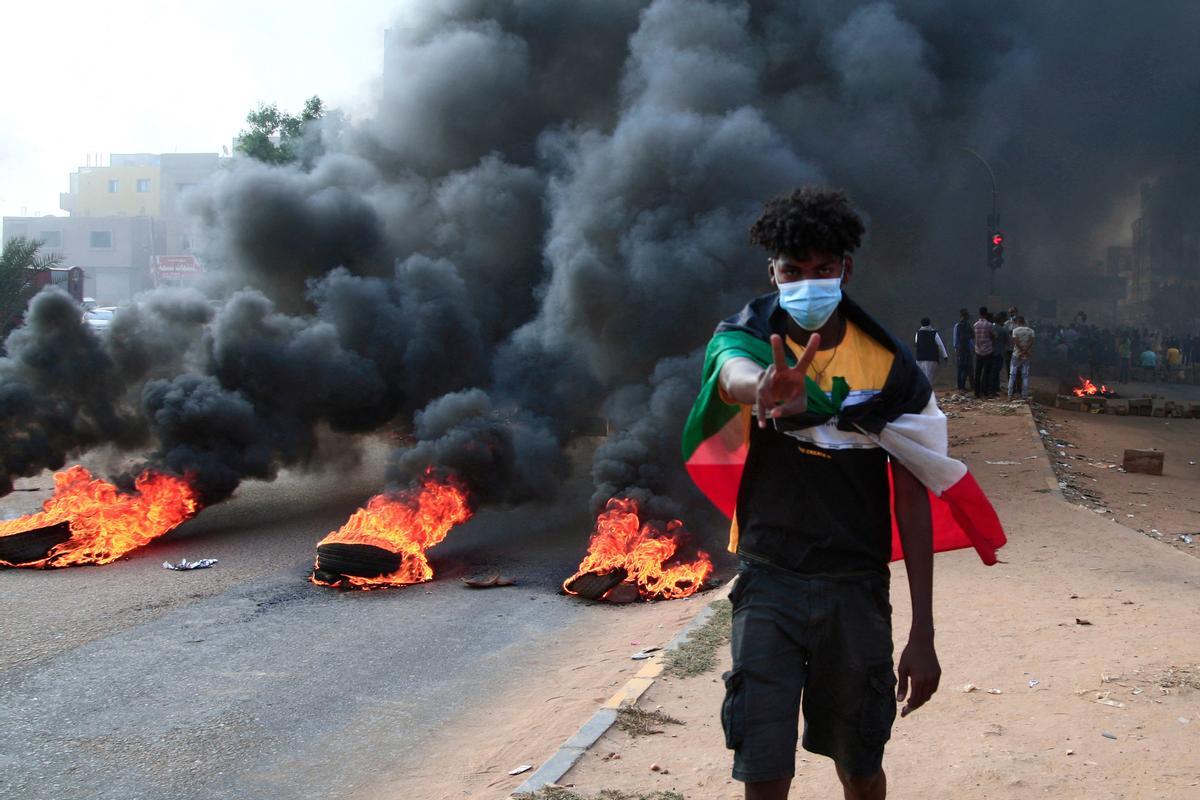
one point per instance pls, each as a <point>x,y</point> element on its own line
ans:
<point>114,187</point>
<point>100,240</point>
<point>51,239</point>
<point>143,184</point>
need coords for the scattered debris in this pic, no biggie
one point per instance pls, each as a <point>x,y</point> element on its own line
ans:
<point>1003,463</point>
<point>995,691</point>
<point>488,580</point>
<point>1148,462</point>
<point>520,769</point>
<point>555,792</point>
<point>644,653</point>
<point>184,564</point>
<point>1108,735</point>
<point>1034,682</point>
<point>1079,621</point>
<point>698,654</point>
<point>639,722</point>
<point>970,687</point>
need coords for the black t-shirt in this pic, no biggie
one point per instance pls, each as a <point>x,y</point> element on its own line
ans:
<point>816,501</point>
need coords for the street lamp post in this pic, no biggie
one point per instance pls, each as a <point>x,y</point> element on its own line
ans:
<point>993,218</point>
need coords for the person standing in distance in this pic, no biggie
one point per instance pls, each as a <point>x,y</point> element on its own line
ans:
<point>985,337</point>
<point>930,350</point>
<point>964,337</point>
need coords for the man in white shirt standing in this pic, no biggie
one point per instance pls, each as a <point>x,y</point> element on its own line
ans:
<point>1022,340</point>
<point>929,349</point>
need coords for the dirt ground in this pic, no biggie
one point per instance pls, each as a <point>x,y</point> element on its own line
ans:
<point>1070,670</point>
<point>1087,449</point>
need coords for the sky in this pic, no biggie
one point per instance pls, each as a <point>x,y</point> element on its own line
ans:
<point>129,76</point>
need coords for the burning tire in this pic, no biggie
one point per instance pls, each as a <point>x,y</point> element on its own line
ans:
<point>359,560</point>
<point>593,586</point>
<point>34,545</point>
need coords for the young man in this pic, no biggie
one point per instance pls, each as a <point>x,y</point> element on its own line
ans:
<point>791,436</point>
<point>1022,340</point>
<point>930,350</point>
<point>985,337</point>
<point>963,347</point>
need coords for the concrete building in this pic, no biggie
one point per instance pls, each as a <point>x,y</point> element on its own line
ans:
<point>115,252</point>
<point>126,228</point>
<point>1161,268</point>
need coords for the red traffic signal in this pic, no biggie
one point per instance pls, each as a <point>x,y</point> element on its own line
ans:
<point>997,238</point>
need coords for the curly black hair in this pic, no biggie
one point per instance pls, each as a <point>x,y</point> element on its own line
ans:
<point>812,219</point>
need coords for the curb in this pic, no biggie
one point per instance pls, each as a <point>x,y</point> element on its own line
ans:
<point>569,753</point>
<point>1036,435</point>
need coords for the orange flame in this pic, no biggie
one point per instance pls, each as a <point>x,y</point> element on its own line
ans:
<point>621,541</point>
<point>1087,388</point>
<point>105,522</point>
<point>407,523</point>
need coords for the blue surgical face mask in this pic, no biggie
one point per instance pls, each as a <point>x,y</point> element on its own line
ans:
<point>811,302</point>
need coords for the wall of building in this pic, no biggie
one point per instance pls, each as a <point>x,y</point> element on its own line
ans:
<point>180,173</point>
<point>114,252</point>
<point>118,191</point>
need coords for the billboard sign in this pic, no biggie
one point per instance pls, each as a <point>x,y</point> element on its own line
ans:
<point>175,268</point>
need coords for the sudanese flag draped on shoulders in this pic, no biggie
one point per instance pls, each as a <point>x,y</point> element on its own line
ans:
<point>903,418</point>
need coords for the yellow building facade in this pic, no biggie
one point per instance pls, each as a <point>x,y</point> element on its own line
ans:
<point>119,191</point>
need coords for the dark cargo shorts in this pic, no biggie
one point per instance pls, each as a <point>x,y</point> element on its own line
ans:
<point>824,644</point>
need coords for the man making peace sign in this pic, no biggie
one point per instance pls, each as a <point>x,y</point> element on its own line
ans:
<point>815,376</point>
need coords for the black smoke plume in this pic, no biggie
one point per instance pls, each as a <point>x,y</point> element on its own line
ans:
<point>547,213</point>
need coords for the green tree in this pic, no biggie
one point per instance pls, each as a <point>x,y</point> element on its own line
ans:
<point>274,136</point>
<point>18,262</point>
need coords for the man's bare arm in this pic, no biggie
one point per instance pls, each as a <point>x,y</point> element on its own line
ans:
<point>776,391</point>
<point>918,662</point>
<point>739,380</point>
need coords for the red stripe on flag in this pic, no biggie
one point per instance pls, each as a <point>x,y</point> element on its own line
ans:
<point>961,517</point>
<point>720,483</point>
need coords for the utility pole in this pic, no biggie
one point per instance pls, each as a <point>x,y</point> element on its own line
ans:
<point>995,245</point>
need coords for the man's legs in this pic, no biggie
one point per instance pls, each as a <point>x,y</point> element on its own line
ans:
<point>964,372</point>
<point>769,790</point>
<point>873,787</point>
<point>997,362</point>
<point>1024,373</point>
<point>1012,378</point>
<point>927,369</point>
<point>980,373</point>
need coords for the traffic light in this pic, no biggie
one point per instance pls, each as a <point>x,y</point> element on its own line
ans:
<point>996,250</point>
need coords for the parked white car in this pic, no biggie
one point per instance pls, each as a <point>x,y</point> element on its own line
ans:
<point>98,319</point>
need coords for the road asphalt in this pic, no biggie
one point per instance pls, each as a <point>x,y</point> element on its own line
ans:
<point>245,681</point>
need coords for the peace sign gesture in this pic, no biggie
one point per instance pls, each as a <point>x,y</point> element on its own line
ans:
<point>781,391</point>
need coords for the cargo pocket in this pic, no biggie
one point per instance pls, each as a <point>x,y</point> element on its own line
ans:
<point>733,710</point>
<point>879,707</point>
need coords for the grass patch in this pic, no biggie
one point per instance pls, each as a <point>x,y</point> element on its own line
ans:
<point>639,722</point>
<point>699,653</point>
<point>560,793</point>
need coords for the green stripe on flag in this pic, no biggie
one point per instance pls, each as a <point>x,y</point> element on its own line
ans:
<point>710,413</point>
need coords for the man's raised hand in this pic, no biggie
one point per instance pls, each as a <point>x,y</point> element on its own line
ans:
<point>781,391</point>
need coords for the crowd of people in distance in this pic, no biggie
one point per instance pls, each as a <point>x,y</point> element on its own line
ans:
<point>983,350</point>
<point>994,343</point>
<point>1121,354</point>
